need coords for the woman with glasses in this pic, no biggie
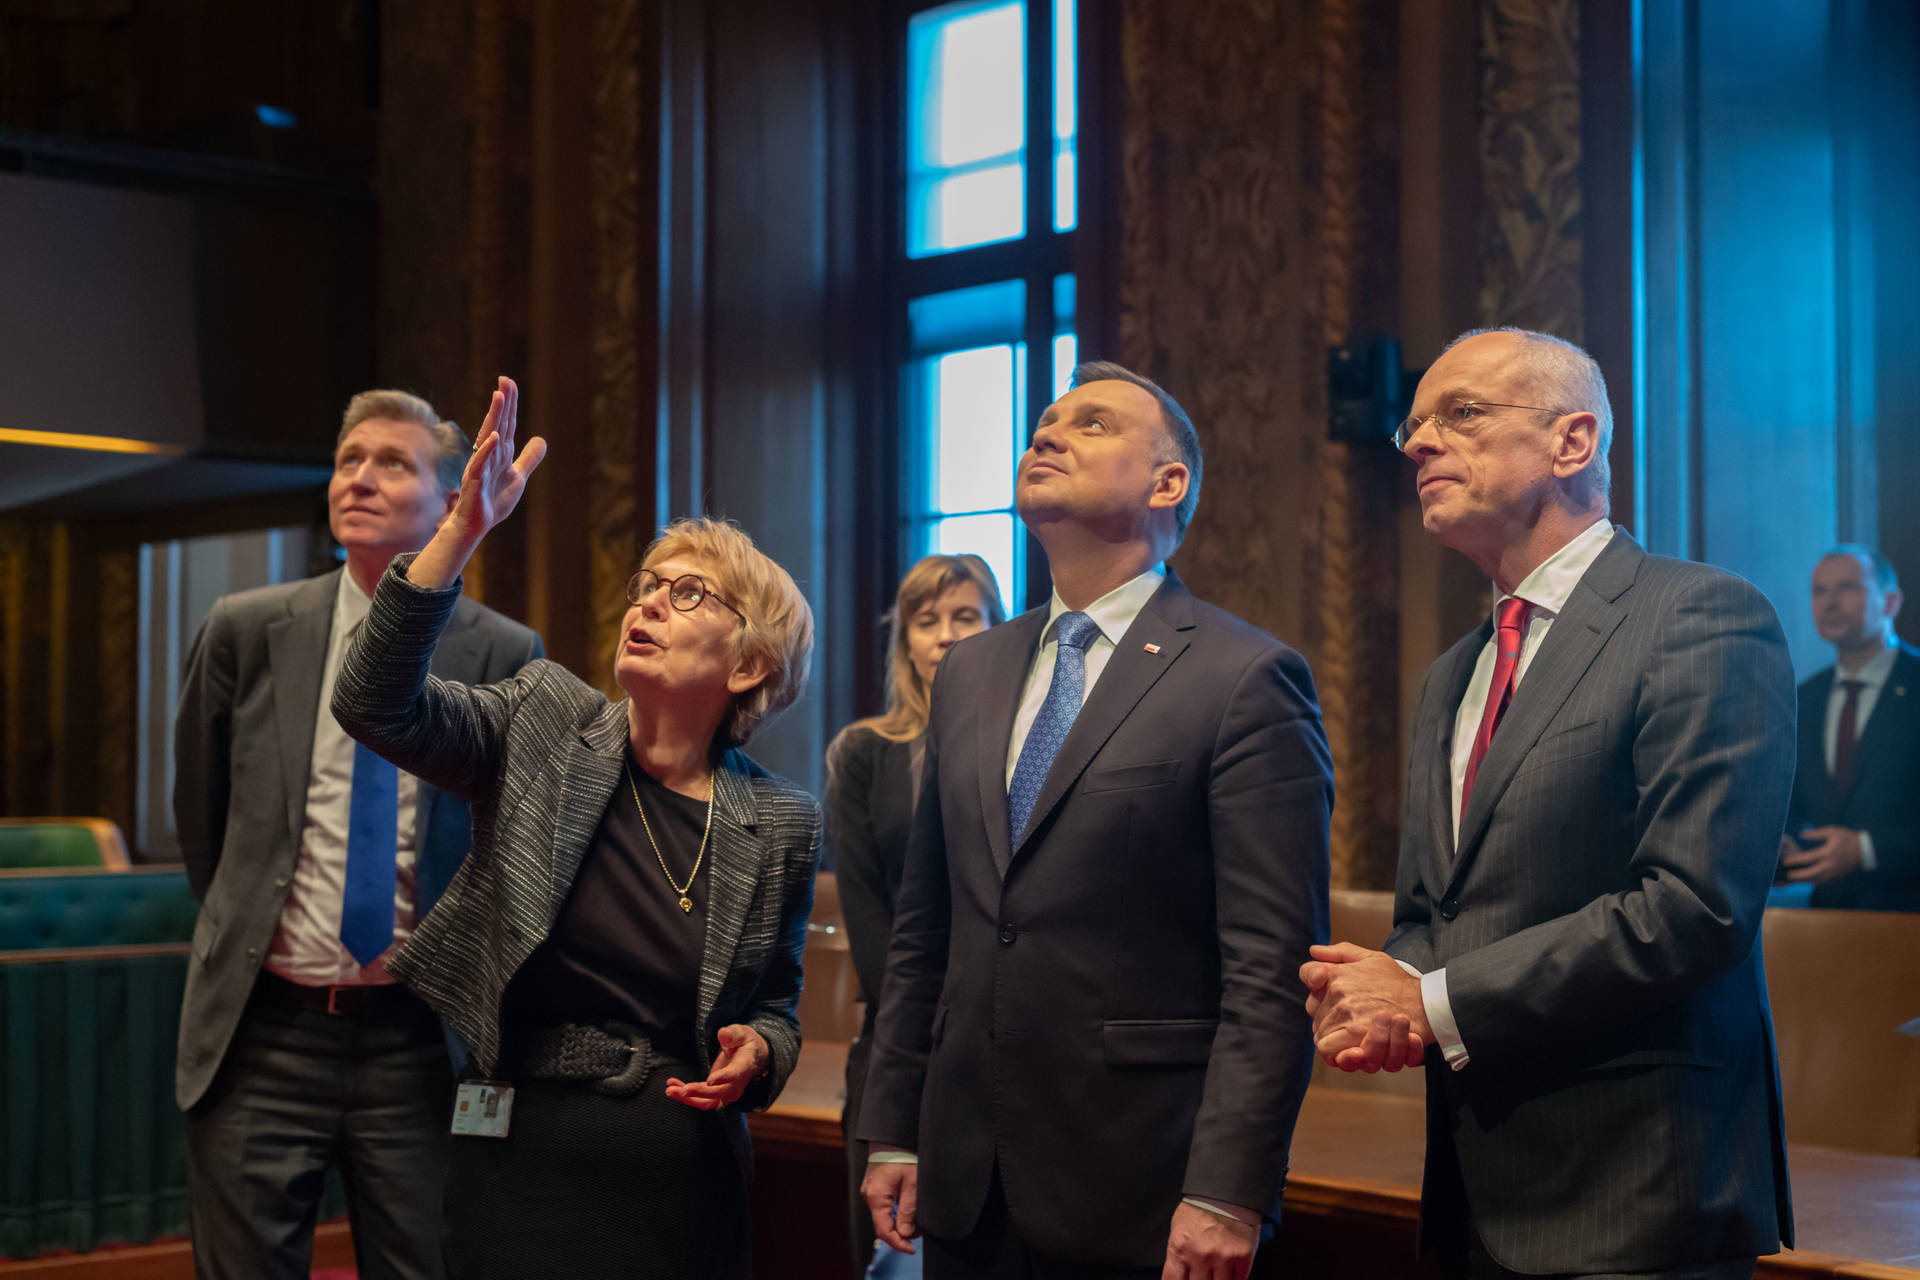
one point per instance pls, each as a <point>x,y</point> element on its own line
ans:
<point>873,775</point>
<point>621,950</point>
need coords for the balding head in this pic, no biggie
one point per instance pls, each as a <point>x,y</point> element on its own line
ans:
<point>1555,374</point>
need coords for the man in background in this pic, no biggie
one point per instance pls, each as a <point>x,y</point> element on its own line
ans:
<point>1596,783</point>
<point>1091,1047</point>
<point>1853,829</point>
<point>313,859</point>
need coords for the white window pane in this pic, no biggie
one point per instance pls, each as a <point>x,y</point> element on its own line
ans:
<point>980,74</point>
<point>973,429</point>
<point>975,208</point>
<point>1066,349</point>
<point>1066,209</point>
<point>1065,56</point>
<point>992,538</point>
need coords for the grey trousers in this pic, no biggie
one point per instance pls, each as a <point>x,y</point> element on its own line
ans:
<point>302,1090</point>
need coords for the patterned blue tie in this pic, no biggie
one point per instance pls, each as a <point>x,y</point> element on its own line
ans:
<point>1075,632</point>
<point>366,909</point>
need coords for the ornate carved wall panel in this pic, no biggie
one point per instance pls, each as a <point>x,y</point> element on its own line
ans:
<point>1257,227</point>
<point>1530,165</point>
<point>1216,279</point>
<point>617,429</point>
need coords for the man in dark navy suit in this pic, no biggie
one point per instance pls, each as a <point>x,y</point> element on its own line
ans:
<point>1852,830</point>
<point>1091,1045</point>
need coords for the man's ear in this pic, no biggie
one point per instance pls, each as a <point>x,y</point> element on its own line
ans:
<point>1894,600</point>
<point>1579,446</point>
<point>749,674</point>
<point>453,498</point>
<point>1169,486</point>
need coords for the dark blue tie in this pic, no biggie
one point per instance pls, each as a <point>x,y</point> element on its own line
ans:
<point>1075,632</point>
<point>366,909</point>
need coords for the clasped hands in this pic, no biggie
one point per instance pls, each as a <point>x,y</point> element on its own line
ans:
<point>1367,1011</point>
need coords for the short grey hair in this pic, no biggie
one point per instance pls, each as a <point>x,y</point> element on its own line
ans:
<point>1565,379</point>
<point>1880,568</point>
<point>1182,442</point>
<point>450,444</point>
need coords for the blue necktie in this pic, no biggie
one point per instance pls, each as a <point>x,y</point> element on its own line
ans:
<point>1075,632</point>
<point>366,909</point>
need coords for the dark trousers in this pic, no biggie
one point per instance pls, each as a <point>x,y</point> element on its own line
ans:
<point>859,1217</point>
<point>302,1090</point>
<point>996,1250</point>
<point>1477,1264</point>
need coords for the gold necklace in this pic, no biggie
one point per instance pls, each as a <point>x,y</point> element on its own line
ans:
<point>686,903</point>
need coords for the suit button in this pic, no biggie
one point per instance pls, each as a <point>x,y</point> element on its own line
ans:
<point>1007,934</point>
<point>1449,909</point>
<point>280,882</point>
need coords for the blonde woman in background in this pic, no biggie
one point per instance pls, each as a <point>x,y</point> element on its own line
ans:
<point>873,777</point>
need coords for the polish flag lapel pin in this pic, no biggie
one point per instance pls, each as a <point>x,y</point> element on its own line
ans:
<point>1151,648</point>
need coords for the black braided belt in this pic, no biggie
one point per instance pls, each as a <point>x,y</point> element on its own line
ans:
<point>615,1057</point>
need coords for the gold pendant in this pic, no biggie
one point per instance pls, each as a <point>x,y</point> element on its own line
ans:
<point>686,904</point>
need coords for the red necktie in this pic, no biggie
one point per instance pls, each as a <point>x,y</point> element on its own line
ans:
<point>1512,621</point>
<point>1843,738</point>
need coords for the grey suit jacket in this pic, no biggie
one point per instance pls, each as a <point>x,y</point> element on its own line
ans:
<point>243,746</point>
<point>539,756</point>
<point>1109,1007</point>
<point>1599,925</point>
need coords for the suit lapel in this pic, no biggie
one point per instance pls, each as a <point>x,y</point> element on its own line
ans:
<point>734,853</point>
<point>1458,674</point>
<point>1005,678</point>
<point>1130,672</point>
<point>1579,633</point>
<point>1886,708</point>
<point>297,661</point>
<point>591,772</point>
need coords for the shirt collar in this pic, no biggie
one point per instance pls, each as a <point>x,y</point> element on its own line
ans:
<point>1115,611</point>
<point>1551,584</point>
<point>1874,674</point>
<point>351,605</point>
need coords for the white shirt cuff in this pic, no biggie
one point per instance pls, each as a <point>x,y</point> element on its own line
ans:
<point>1245,1217</point>
<point>1433,998</point>
<point>1867,861</point>
<point>892,1157</point>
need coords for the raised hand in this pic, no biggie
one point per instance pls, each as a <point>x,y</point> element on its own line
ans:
<point>490,489</point>
<point>494,479</point>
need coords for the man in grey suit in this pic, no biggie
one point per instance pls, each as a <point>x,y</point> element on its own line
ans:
<point>313,861</point>
<point>1091,1048</point>
<point>1596,785</point>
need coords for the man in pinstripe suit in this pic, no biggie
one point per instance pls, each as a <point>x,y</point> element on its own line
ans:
<point>1596,786</point>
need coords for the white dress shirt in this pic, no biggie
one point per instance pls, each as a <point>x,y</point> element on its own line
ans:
<point>306,946</point>
<point>1872,678</point>
<point>1113,613</point>
<point>1547,589</point>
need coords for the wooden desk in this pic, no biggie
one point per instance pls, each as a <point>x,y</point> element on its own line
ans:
<point>1356,1178</point>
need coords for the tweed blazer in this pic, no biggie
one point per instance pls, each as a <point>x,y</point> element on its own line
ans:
<point>538,757</point>
<point>1599,924</point>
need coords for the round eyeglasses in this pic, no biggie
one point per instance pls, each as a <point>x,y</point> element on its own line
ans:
<point>684,592</point>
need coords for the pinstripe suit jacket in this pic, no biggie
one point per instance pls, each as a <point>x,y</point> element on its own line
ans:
<point>1599,925</point>
<point>539,756</point>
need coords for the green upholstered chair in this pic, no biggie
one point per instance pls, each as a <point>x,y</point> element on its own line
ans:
<point>61,842</point>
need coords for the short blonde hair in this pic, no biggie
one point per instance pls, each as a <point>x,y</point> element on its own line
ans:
<point>776,624</point>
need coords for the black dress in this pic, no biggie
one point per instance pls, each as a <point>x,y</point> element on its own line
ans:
<point>869,816</point>
<point>587,1184</point>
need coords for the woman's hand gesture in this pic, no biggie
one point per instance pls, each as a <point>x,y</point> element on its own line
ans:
<point>489,491</point>
<point>494,480</point>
